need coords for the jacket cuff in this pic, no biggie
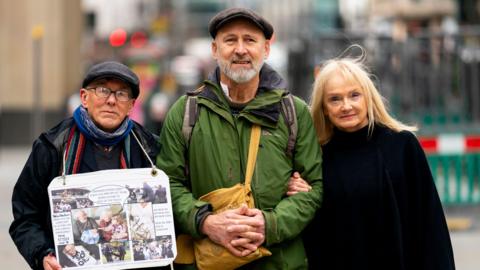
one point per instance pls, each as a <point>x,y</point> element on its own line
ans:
<point>271,235</point>
<point>198,212</point>
<point>41,255</point>
<point>202,213</point>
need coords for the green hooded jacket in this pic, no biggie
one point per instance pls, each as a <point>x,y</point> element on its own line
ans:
<point>217,156</point>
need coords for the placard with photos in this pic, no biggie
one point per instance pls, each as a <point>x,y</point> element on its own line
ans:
<point>113,219</point>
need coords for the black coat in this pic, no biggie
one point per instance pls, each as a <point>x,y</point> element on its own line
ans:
<point>31,228</point>
<point>381,209</point>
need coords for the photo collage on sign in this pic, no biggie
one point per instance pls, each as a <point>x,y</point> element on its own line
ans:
<point>105,233</point>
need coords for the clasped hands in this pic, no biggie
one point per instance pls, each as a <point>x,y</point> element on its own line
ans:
<point>241,231</point>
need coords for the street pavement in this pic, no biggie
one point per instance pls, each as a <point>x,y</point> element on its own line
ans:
<point>466,242</point>
<point>11,163</point>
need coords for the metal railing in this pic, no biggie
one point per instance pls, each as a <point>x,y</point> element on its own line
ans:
<point>432,80</point>
<point>457,177</point>
<point>429,79</point>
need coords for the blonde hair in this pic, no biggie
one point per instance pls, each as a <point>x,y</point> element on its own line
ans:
<point>352,70</point>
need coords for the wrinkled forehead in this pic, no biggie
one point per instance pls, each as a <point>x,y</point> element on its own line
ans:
<point>103,81</point>
<point>245,25</point>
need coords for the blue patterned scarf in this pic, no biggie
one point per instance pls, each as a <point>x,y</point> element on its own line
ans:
<point>92,132</point>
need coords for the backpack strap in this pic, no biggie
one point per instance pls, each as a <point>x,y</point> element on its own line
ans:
<point>290,116</point>
<point>190,115</point>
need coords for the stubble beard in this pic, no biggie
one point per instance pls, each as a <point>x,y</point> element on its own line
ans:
<point>241,75</point>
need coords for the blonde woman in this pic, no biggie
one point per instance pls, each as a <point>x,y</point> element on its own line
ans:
<point>381,209</point>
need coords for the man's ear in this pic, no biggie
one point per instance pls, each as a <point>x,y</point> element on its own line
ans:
<point>267,48</point>
<point>214,49</point>
<point>131,106</point>
<point>83,97</point>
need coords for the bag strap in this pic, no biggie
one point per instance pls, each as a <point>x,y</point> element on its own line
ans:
<point>252,154</point>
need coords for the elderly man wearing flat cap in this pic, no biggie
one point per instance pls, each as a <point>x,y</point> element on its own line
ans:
<point>97,137</point>
<point>208,150</point>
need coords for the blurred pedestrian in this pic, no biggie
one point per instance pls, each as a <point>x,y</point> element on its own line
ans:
<point>95,138</point>
<point>381,209</point>
<point>158,103</point>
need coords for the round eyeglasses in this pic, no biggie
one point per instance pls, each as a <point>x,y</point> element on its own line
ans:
<point>104,92</point>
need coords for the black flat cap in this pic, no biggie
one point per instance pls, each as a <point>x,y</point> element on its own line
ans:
<point>227,15</point>
<point>111,69</point>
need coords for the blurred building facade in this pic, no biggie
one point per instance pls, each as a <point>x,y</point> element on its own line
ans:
<point>425,55</point>
<point>40,62</point>
<point>417,48</point>
<point>130,15</point>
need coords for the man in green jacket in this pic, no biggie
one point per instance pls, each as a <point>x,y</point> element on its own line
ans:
<point>243,91</point>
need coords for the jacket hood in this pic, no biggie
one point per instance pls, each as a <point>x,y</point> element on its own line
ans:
<point>270,79</point>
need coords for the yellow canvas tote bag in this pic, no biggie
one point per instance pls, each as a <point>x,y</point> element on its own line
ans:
<point>207,254</point>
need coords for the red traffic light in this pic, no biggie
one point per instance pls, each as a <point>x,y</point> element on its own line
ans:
<point>138,39</point>
<point>118,37</point>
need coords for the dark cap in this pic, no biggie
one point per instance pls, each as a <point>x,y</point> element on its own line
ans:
<point>111,69</point>
<point>227,15</point>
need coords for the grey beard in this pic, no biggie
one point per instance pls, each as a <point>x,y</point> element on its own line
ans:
<point>242,75</point>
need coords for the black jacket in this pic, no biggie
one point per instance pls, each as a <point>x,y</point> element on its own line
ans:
<point>31,228</point>
<point>381,209</point>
